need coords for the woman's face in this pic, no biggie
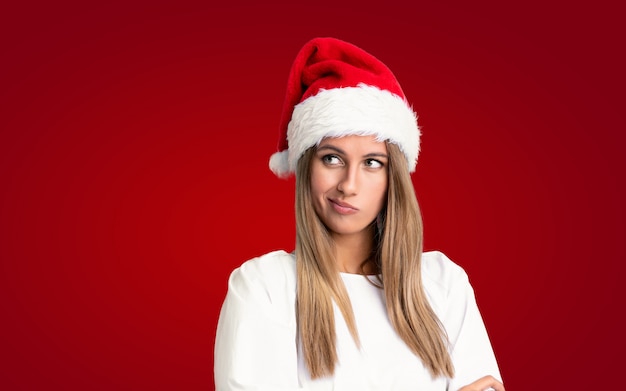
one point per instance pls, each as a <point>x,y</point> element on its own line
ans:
<point>349,182</point>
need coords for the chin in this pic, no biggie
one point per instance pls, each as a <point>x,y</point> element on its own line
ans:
<point>345,230</point>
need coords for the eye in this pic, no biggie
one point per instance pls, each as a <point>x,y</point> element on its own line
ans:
<point>373,163</point>
<point>331,160</point>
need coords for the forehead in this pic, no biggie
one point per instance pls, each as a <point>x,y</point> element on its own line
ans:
<point>355,143</point>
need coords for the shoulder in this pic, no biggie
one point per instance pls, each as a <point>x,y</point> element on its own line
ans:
<point>442,277</point>
<point>269,274</point>
<point>274,267</point>
<point>441,270</point>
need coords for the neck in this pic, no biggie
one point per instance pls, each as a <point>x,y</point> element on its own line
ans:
<point>351,252</point>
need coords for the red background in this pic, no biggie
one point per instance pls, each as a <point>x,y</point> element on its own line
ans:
<point>134,141</point>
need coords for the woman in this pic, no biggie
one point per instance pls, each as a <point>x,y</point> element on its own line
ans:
<point>357,305</point>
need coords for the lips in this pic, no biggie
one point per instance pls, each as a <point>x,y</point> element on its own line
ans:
<point>342,207</point>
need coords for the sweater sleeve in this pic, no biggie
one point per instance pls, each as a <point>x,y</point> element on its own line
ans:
<point>472,354</point>
<point>255,346</point>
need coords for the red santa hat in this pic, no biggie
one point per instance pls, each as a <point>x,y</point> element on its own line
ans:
<point>336,89</point>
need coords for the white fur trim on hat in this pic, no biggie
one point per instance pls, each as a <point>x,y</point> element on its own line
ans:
<point>362,110</point>
<point>279,163</point>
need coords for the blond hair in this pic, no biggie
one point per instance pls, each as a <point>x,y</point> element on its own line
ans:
<point>398,248</point>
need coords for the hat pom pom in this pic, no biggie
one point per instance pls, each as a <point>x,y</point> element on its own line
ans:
<point>279,163</point>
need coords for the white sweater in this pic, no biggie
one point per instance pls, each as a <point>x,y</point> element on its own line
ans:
<point>256,347</point>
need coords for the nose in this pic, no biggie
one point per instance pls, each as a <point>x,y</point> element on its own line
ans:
<point>348,183</point>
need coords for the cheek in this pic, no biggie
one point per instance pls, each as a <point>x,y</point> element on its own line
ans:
<point>319,187</point>
<point>321,180</point>
<point>378,193</point>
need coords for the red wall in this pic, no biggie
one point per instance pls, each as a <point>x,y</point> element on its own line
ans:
<point>134,141</point>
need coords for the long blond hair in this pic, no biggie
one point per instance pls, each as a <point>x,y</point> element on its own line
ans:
<point>398,247</point>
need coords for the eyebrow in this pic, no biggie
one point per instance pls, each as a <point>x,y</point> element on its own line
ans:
<point>342,152</point>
